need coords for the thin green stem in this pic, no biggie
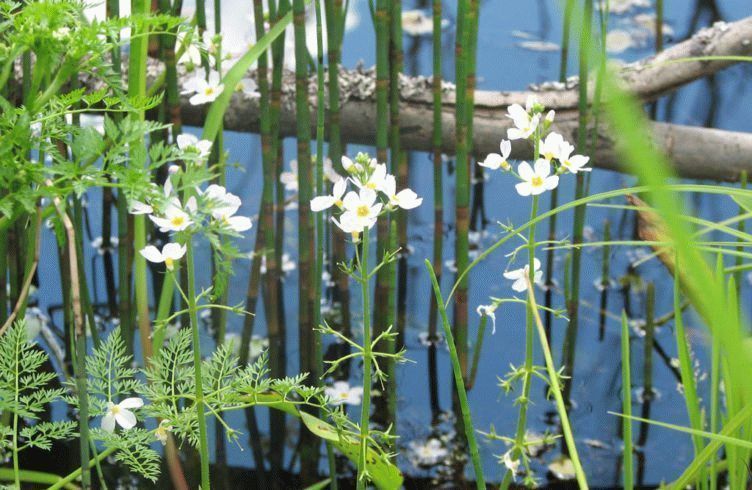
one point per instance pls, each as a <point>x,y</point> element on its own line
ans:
<point>480,482</point>
<point>365,412</point>
<point>553,379</point>
<point>199,401</point>
<point>74,475</point>
<point>626,403</point>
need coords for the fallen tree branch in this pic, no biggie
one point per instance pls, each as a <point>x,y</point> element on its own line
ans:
<point>695,152</point>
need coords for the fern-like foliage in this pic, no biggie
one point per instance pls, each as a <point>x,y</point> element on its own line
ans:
<point>25,390</point>
<point>133,448</point>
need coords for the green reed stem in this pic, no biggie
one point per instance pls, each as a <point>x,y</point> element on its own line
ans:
<point>742,229</point>
<point>74,475</point>
<point>715,384</point>
<point>381,22</point>
<point>320,228</point>
<point>554,199</point>
<point>203,441</point>
<point>477,348</point>
<point>480,482</point>
<point>649,342</point>
<point>658,26</point>
<point>462,190</point>
<point>553,379</point>
<point>626,404</point>
<point>438,167</point>
<point>570,341</point>
<point>365,412</point>
<point>306,241</point>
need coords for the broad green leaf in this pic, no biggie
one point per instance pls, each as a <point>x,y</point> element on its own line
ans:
<point>383,473</point>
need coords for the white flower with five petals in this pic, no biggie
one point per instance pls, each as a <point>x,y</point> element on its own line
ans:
<point>224,206</point>
<point>121,414</point>
<point>362,207</point>
<point>537,181</point>
<point>551,146</point>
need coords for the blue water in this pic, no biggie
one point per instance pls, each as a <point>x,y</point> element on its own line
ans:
<point>597,379</point>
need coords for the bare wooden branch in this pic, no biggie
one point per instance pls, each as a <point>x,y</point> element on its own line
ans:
<point>695,152</point>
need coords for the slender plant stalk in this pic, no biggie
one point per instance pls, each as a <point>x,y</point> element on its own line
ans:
<point>320,225</point>
<point>74,475</point>
<point>365,411</point>
<point>199,401</point>
<point>334,27</point>
<point>658,26</point>
<point>276,312</point>
<point>649,342</point>
<point>480,482</point>
<point>381,21</point>
<point>570,341</point>
<point>438,168</point>
<point>626,403</point>
<point>80,342</point>
<point>462,190</point>
<point>309,444</point>
<point>553,379</point>
<point>527,378</point>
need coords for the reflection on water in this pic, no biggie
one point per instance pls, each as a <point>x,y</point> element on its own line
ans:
<point>428,443</point>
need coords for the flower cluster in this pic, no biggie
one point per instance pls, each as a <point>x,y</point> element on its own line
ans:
<point>214,207</point>
<point>554,150</point>
<point>377,194</point>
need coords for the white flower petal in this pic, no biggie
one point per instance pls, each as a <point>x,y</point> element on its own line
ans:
<point>152,254</point>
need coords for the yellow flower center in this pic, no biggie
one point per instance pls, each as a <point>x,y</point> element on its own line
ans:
<point>536,181</point>
<point>371,185</point>
<point>115,409</point>
<point>363,211</point>
<point>338,203</point>
<point>505,165</point>
<point>169,263</point>
<point>209,91</point>
<point>177,221</point>
<point>343,395</point>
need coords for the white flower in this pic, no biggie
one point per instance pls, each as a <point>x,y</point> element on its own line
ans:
<point>490,312</point>
<point>536,181</point>
<point>121,414</point>
<point>341,392</point>
<point>405,199</point>
<point>519,276</point>
<point>188,141</point>
<point>175,218</point>
<point>206,91</point>
<point>249,87</point>
<point>169,254</point>
<point>495,161</point>
<point>290,177</point>
<point>525,123</point>
<point>320,203</point>
<point>362,207</point>
<point>573,163</point>
<point>551,146</point>
<point>428,453</point>
<point>137,207</point>
<point>375,180</point>
<point>162,432</point>
<point>225,205</point>
<point>550,115</point>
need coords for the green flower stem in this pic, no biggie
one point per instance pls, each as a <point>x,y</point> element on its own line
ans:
<point>553,379</point>
<point>36,477</point>
<point>459,383</point>
<point>365,411</point>
<point>73,476</point>
<point>524,400</point>
<point>199,402</point>
<point>626,402</point>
